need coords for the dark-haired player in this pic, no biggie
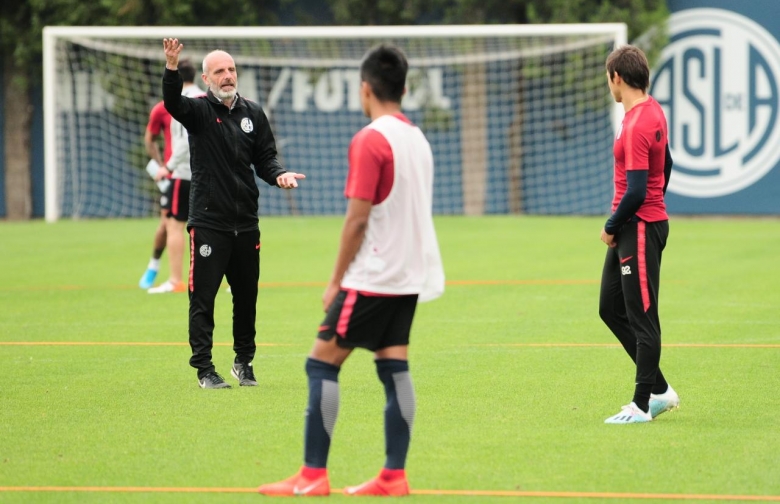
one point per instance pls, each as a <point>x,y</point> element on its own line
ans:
<point>178,193</point>
<point>388,260</point>
<point>636,234</point>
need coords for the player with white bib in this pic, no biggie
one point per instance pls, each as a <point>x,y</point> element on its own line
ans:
<point>388,260</point>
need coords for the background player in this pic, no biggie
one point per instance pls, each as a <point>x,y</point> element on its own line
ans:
<point>388,257</point>
<point>636,234</point>
<point>159,125</point>
<point>178,193</point>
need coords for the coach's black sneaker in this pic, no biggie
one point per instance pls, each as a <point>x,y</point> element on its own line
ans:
<point>212,380</point>
<point>244,374</point>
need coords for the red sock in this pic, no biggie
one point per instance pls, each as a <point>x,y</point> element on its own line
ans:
<point>392,474</point>
<point>311,473</point>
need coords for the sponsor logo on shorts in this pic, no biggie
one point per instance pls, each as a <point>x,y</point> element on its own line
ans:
<point>246,125</point>
<point>205,250</point>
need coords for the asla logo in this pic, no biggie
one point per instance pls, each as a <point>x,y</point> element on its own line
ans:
<point>718,84</point>
<point>625,270</point>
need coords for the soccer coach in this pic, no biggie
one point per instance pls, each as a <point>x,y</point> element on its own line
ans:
<point>228,135</point>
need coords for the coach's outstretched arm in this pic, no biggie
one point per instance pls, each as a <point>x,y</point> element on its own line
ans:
<point>180,107</point>
<point>265,161</point>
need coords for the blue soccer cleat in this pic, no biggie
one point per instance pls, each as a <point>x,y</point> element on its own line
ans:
<point>661,403</point>
<point>147,279</point>
<point>629,414</point>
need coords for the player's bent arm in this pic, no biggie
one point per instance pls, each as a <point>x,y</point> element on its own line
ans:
<point>668,162</point>
<point>152,149</point>
<point>630,202</point>
<point>264,157</point>
<point>181,108</point>
<point>352,235</point>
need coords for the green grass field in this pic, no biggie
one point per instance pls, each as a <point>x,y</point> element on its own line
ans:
<point>514,371</point>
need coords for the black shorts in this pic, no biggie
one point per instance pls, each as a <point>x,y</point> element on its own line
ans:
<point>369,321</point>
<point>176,200</point>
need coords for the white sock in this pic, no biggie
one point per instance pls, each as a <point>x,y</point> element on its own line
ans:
<point>154,264</point>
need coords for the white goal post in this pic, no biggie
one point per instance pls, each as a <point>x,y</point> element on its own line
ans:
<point>519,116</point>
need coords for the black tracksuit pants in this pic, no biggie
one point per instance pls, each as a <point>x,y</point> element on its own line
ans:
<point>236,256</point>
<point>629,293</point>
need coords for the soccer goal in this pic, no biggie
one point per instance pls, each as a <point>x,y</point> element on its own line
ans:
<point>519,116</point>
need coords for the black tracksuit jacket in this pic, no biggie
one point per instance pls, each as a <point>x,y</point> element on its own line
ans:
<point>224,145</point>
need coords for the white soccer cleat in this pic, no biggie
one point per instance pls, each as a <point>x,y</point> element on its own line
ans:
<point>629,414</point>
<point>167,287</point>
<point>661,403</point>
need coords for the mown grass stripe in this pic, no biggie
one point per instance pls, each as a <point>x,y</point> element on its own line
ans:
<point>617,345</point>
<point>458,493</point>
<point>520,345</point>
<point>123,343</point>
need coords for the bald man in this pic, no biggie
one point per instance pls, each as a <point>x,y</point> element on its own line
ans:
<point>228,136</point>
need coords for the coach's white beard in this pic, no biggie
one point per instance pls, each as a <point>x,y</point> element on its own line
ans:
<point>223,95</point>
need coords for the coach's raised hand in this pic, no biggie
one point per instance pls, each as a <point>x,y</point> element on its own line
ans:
<point>172,49</point>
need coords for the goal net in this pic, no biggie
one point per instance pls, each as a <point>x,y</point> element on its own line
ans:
<point>519,116</point>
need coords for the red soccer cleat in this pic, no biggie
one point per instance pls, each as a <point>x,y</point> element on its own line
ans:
<point>308,482</point>
<point>389,483</point>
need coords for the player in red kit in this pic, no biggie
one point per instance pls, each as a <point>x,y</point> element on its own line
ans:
<point>636,234</point>
<point>159,124</point>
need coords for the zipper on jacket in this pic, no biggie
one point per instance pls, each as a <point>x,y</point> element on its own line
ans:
<point>233,170</point>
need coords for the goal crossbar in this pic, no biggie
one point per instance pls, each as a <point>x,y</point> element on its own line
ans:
<point>342,32</point>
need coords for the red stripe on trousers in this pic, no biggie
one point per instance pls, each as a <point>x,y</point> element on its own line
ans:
<point>346,312</point>
<point>191,280</point>
<point>175,204</point>
<point>641,242</point>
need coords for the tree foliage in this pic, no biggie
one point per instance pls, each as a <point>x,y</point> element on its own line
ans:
<point>643,17</point>
<point>378,12</point>
<point>22,23</point>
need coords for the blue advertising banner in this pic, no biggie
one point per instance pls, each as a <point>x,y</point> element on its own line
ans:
<point>718,81</point>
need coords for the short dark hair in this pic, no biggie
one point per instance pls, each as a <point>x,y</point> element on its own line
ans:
<point>631,64</point>
<point>384,67</point>
<point>187,70</point>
